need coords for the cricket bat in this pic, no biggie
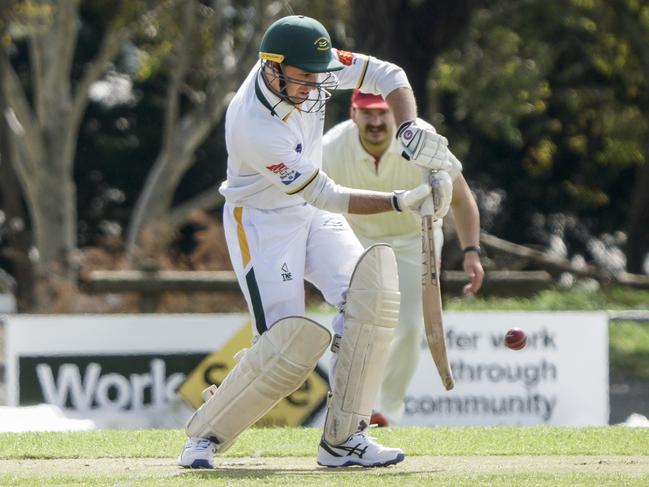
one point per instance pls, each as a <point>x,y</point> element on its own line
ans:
<point>432,296</point>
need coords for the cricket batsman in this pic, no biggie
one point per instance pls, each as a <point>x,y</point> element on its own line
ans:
<point>283,224</point>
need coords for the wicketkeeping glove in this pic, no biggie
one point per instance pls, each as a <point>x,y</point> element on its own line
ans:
<point>423,146</point>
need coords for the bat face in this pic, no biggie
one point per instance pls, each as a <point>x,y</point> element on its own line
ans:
<point>432,304</point>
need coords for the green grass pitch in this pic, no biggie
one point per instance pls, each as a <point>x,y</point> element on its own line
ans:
<point>466,456</point>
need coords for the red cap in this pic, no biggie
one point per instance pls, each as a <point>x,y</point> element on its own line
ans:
<point>368,101</point>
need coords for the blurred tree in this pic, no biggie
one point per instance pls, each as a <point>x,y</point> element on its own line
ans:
<point>57,58</point>
<point>546,104</point>
<point>411,34</point>
<point>209,50</point>
<point>45,105</point>
<point>632,20</point>
<point>15,237</point>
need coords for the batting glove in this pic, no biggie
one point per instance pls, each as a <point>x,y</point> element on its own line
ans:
<point>421,145</point>
<point>442,191</point>
<point>412,199</point>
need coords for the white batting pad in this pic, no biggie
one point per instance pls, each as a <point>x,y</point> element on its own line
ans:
<point>274,367</point>
<point>371,314</point>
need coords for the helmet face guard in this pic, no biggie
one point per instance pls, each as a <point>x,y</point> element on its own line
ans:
<point>303,43</point>
<point>318,96</point>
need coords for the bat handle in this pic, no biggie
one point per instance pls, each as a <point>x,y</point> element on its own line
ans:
<point>427,207</point>
<point>425,175</point>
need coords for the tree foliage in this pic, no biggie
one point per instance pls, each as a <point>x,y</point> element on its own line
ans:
<point>546,103</point>
<point>112,112</point>
<point>411,34</point>
<point>206,52</point>
<point>45,92</point>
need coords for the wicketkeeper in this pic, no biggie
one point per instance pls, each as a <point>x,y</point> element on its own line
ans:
<point>283,225</point>
<point>362,152</point>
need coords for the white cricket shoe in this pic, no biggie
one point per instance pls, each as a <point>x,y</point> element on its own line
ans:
<point>197,453</point>
<point>359,449</point>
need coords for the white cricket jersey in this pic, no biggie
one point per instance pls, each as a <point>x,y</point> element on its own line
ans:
<point>274,149</point>
<point>348,164</point>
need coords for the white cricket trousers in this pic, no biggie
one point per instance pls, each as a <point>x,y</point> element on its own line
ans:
<point>406,345</point>
<point>274,251</point>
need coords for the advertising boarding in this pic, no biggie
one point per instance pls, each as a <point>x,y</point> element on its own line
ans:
<point>148,371</point>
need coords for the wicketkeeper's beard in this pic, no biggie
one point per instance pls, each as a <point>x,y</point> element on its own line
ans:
<point>371,131</point>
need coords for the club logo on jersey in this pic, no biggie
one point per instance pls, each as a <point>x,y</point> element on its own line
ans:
<point>345,57</point>
<point>286,175</point>
<point>286,274</point>
<point>321,44</point>
<point>332,222</point>
<point>298,148</point>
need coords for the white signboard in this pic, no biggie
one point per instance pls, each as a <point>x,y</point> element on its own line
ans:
<point>561,378</point>
<point>124,370</point>
<point>119,370</point>
<point>7,303</point>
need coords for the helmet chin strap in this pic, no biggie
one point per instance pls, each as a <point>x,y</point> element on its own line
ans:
<point>280,76</point>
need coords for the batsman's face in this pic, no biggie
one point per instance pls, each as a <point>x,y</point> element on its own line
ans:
<point>299,83</point>
<point>375,125</point>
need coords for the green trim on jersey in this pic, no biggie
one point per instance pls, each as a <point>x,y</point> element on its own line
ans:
<point>255,299</point>
<point>263,99</point>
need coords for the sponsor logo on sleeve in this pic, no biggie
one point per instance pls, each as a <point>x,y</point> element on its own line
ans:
<point>286,175</point>
<point>345,57</point>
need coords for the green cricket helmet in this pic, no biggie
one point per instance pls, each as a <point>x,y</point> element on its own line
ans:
<point>304,43</point>
<point>299,41</point>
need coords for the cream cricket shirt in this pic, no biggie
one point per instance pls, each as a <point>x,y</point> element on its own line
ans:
<point>348,164</point>
<point>275,150</point>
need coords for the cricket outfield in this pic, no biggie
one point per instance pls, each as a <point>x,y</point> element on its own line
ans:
<point>496,456</point>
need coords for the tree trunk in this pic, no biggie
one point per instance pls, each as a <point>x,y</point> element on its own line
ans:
<point>43,163</point>
<point>55,223</point>
<point>184,133</point>
<point>410,34</point>
<point>17,233</point>
<point>638,226</point>
<point>149,220</point>
<point>44,123</point>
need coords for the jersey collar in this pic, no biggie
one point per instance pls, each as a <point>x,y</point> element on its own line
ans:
<point>271,101</point>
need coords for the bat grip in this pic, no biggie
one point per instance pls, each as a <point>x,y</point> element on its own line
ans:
<point>427,207</point>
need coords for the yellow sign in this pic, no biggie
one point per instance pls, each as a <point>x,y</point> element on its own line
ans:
<point>293,410</point>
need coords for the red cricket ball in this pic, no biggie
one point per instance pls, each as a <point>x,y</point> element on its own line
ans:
<point>516,339</point>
